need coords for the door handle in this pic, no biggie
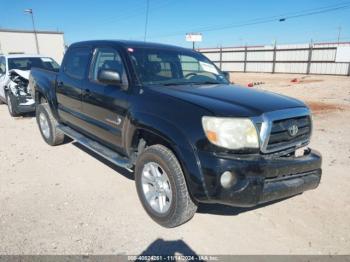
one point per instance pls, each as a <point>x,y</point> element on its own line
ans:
<point>59,84</point>
<point>87,92</point>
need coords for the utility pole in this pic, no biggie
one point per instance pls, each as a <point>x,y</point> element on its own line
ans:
<point>146,22</point>
<point>274,56</point>
<point>339,33</point>
<point>309,57</point>
<point>30,11</point>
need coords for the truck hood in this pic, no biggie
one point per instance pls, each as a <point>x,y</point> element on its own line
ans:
<point>21,73</point>
<point>231,100</point>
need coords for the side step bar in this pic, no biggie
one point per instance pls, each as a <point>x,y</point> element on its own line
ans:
<point>96,147</point>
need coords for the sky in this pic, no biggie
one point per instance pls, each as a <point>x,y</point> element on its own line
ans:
<point>221,22</point>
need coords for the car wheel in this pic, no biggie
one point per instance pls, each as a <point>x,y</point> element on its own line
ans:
<point>11,104</point>
<point>162,188</point>
<point>48,125</point>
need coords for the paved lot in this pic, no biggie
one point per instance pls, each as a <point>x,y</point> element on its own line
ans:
<point>65,200</point>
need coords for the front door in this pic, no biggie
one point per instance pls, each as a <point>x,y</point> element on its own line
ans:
<point>105,106</point>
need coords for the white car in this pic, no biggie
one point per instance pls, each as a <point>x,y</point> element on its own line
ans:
<point>14,78</point>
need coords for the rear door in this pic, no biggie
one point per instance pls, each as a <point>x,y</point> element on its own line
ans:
<point>70,84</point>
<point>104,105</point>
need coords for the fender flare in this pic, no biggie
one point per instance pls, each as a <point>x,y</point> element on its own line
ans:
<point>48,93</point>
<point>48,99</point>
<point>183,149</point>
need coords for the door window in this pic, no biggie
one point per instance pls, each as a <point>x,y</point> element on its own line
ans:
<point>75,64</point>
<point>107,59</point>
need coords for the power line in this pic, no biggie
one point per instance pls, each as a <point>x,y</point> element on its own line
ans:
<point>131,13</point>
<point>275,18</point>
<point>317,12</point>
<point>139,11</point>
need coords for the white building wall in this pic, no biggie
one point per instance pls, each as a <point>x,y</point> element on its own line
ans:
<point>329,68</point>
<point>299,68</point>
<point>213,56</point>
<point>51,44</point>
<point>327,58</point>
<point>233,67</point>
<point>300,55</point>
<point>259,67</point>
<point>233,56</point>
<point>260,56</point>
<point>323,55</point>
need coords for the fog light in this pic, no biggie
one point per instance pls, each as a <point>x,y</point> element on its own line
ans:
<point>228,179</point>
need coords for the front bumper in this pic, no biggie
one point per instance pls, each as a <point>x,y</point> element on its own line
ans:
<point>25,104</point>
<point>260,178</point>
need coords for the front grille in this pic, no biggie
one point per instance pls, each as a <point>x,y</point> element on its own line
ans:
<point>281,137</point>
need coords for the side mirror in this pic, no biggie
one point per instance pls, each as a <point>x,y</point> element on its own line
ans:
<point>226,75</point>
<point>109,77</point>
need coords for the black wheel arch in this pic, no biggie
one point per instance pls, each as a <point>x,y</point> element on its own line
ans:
<point>163,133</point>
<point>41,97</point>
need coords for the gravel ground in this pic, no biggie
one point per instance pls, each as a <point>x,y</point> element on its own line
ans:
<point>66,200</point>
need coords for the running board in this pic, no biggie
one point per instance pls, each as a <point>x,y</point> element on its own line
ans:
<point>96,147</point>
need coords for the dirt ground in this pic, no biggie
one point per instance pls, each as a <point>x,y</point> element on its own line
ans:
<point>66,200</point>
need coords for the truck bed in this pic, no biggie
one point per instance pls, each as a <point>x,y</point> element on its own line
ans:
<point>43,79</point>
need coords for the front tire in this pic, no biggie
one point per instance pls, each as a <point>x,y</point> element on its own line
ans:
<point>48,125</point>
<point>162,188</point>
<point>11,104</point>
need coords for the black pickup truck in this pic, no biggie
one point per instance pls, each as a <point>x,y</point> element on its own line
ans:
<point>170,115</point>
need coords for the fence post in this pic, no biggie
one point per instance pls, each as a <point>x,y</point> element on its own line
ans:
<point>274,58</point>
<point>309,58</point>
<point>245,58</point>
<point>349,69</point>
<point>220,57</point>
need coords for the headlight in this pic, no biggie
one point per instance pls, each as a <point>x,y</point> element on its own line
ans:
<point>231,133</point>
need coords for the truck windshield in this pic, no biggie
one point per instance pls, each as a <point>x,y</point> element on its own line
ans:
<point>26,63</point>
<point>174,67</point>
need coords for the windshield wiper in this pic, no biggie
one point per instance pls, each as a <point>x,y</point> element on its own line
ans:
<point>206,83</point>
<point>191,83</point>
<point>176,84</point>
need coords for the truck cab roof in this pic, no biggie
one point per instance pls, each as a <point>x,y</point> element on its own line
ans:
<point>127,44</point>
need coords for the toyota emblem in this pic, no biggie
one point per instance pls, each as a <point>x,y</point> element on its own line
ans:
<point>293,130</point>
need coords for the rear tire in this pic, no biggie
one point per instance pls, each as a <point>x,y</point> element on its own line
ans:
<point>11,104</point>
<point>48,125</point>
<point>162,188</point>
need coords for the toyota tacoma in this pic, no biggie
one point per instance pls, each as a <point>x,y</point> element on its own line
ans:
<point>169,115</point>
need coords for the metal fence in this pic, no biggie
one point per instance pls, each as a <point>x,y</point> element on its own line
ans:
<point>313,58</point>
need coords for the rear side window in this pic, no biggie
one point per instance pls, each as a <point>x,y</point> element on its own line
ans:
<point>75,64</point>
